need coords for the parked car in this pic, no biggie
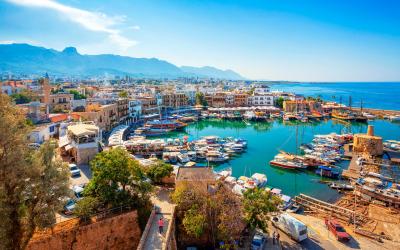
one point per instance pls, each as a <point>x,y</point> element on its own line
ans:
<point>337,230</point>
<point>78,191</point>
<point>74,170</point>
<point>69,207</point>
<point>258,241</point>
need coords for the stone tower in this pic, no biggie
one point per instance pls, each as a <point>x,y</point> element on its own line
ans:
<point>368,144</point>
<point>45,96</point>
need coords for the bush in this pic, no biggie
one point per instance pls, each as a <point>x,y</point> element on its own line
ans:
<point>159,170</point>
<point>86,207</point>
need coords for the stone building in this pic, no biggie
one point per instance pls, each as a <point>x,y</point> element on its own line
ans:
<point>174,100</point>
<point>368,144</point>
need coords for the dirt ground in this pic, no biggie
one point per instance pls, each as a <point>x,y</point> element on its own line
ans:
<point>318,232</point>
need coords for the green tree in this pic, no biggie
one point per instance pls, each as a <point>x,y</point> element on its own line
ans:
<point>159,170</point>
<point>32,183</point>
<point>86,207</point>
<point>20,98</point>
<point>200,99</point>
<point>117,179</point>
<point>257,204</point>
<point>77,95</point>
<point>194,222</point>
<point>279,102</point>
<point>123,94</point>
<point>217,214</point>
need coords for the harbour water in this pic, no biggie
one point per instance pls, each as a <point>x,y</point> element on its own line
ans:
<point>379,95</point>
<point>265,139</point>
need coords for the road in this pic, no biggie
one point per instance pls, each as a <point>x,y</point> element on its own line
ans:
<point>321,238</point>
<point>86,175</point>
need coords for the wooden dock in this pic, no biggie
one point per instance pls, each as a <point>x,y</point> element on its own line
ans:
<point>328,208</point>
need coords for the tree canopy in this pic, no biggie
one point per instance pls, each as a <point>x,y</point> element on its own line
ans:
<point>279,102</point>
<point>33,183</point>
<point>217,215</point>
<point>159,170</point>
<point>123,94</point>
<point>77,95</point>
<point>200,99</point>
<point>117,178</point>
<point>257,204</point>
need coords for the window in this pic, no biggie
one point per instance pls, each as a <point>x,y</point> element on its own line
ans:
<point>51,129</point>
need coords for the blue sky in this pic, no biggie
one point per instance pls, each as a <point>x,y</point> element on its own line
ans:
<point>303,40</point>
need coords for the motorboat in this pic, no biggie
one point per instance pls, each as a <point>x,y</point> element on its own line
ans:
<point>216,156</point>
<point>329,172</point>
<point>147,131</point>
<point>341,186</point>
<point>259,179</point>
<point>283,162</point>
<point>183,158</point>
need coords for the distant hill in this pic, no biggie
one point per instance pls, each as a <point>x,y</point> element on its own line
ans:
<point>212,72</point>
<point>28,59</point>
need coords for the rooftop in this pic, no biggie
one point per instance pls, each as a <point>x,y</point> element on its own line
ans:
<point>83,129</point>
<point>194,174</point>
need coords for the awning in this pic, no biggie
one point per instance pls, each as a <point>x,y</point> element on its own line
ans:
<point>63,141</point>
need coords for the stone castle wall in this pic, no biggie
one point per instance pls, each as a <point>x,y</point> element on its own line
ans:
<point>118,232</point>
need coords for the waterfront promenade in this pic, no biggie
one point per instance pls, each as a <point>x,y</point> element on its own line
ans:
<point>154,240</point>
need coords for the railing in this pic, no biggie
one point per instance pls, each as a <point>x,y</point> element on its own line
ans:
<point>170,241</point>
<point>147,229</point>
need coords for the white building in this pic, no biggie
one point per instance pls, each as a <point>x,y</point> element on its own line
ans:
<point>43,133</point>
<point>261,89</point>
<point>135,109</point>
<point>260,100</point>
<point>80,142</point>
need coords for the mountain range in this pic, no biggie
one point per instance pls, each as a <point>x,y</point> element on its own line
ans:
<point>29,59</point>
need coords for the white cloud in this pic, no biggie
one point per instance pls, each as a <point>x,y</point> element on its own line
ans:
<point>93,21</point>
<point>134,27</point>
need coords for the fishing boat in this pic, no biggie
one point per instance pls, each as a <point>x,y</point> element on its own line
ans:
<point>394,118</point>
<point>166,124</point>
<point>325,171</point>
<point>343,115</point>
<point>183,158</point>
<point>289,117</point>
<point>283,162</point>
<point>249,115</point>
<point>341,186</point>
<point>170,157</point>
<point>192,155</point>
<point>216,156</point>
<point>316,115</point>
<point>147,131</point>
<point>259,179</point>
<point>275,115</point>
<point>369,115</point>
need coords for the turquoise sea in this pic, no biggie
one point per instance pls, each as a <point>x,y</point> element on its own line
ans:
<point>265,139</point>
<point>380,95</point>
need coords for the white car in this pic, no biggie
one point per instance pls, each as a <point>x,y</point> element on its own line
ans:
<point>258,241</point>
<point>74,170</point>
<point>78,191</point>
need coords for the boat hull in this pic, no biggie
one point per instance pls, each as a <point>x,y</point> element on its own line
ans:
<point>285,165</point>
